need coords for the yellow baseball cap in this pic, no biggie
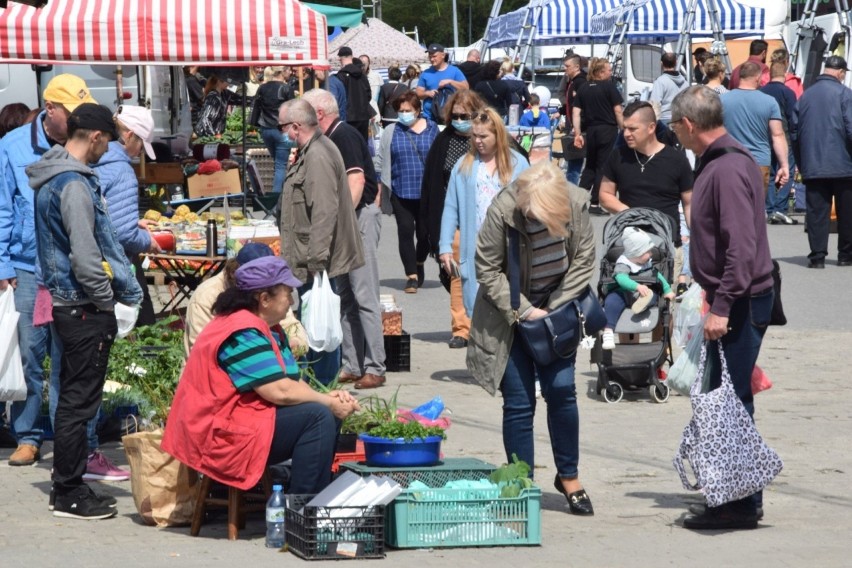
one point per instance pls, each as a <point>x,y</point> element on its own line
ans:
<point>68,90</point>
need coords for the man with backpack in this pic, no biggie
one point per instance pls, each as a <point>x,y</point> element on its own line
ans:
<point>438,82</point>
<point>358,92</point>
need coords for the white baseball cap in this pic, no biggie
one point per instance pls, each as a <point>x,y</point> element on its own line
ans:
<point>140,122</point>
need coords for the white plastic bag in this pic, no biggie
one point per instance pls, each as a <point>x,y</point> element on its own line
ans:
<point>685,368</point>
<point>688,314</point>
<point>321,315</point>
<point>125,317</point>
<point>12,384</point>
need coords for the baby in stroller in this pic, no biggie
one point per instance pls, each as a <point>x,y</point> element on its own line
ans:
<point>634,263</point>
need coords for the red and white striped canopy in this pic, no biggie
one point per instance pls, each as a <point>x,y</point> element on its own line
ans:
<point>174,32</point>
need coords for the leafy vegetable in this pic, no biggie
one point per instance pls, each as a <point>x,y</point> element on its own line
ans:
<point>406,430</point>
<point>512,478</point>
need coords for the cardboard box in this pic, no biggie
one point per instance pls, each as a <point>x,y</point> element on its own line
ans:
<point>166,173</point>
<point>213,185</point>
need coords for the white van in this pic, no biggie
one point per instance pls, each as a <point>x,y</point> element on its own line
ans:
<point>162,89</point>
<point>817,44</point>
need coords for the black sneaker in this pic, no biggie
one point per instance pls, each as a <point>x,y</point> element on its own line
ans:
<point>82,503</point>
<point>457,342</point>
<point>421,274</point>
<point>596,209</point>
<point>107,500</point>
<point>411,286</point>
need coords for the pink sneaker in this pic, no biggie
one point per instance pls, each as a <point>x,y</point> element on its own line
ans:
<point>100,468</point>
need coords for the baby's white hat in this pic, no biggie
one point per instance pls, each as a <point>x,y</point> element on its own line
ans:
<point>636,242</point>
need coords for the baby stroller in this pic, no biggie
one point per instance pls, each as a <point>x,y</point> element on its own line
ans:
<point>635,366</point>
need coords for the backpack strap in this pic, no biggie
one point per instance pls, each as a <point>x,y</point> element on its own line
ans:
<point>717,153</point>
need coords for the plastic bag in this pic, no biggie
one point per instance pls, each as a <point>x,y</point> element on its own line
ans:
<point>125,317</point>
<point>759,381</point>
<point>685,368</point>
<point>428,414</point>
<point>12,384</point>
<point>321,315</point>
<point>688,314</point>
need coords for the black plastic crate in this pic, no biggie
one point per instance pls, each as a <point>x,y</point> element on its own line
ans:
<point>398,353</point>
<point>315,533</point>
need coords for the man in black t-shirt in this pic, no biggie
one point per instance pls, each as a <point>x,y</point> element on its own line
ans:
<point>363,349</point>
<point>648,173</point>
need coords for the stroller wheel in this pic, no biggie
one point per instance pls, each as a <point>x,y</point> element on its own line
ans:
<point>660,393</point>
<point>613,392</point>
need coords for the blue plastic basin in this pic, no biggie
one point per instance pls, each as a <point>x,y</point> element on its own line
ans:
<point>384,452</point>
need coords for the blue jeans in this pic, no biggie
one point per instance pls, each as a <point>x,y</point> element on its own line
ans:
<point>778,198</point>
<point>274,141</point>
<point>614,304</point>
<point>307,434</point>
<point>747,322</point>
<point>34,343</point>
<point>325,364</point>
<point>563,420</point>
<point>575,168</point>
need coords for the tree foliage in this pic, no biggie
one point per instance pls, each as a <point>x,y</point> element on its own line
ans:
<point>434,18</point>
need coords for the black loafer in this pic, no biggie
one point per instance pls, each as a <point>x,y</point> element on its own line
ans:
<point>578,501</point>
<point>411,286</point>
<point>816,264</point>
<point>457,342</point>
<point>844,263</point>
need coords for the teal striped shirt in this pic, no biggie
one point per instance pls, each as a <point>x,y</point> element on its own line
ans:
<point>249,360</point>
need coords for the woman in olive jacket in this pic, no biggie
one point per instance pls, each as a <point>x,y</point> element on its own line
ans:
<point>557,258</point>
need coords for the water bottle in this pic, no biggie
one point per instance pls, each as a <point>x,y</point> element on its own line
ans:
<point>275,518</point>
<point>212,237</point>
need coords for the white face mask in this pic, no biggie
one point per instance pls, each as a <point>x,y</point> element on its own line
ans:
<point>406,118</point>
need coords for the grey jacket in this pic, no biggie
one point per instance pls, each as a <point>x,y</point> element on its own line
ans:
<point>319,230</point>
<point>493,321</point>
<point>665,89</point>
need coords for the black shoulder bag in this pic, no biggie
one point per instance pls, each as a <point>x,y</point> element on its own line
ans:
<point>778,317</point>
<point>557,335</point>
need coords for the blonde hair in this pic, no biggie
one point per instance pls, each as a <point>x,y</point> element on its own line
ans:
<point>503,155</point>
<point>507,68</point>
<point>596,67</point>
<point>714,68</point>
<point>543,194</point>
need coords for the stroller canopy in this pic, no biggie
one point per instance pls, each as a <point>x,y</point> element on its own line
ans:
<point>649,220</point>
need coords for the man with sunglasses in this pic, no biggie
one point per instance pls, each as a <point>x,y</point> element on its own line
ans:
<point>319,229</point>
<point>19,149</point>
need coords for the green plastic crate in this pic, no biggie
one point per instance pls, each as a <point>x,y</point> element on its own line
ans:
<point>443,518</point>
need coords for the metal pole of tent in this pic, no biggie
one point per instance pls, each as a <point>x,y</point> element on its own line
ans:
<point>718,35</point>
<point>684,38</point>
<point>533,27</point>
<point>495,11</point>
<point>805,29</point>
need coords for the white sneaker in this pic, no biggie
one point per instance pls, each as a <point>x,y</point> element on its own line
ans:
<point>608,342</point>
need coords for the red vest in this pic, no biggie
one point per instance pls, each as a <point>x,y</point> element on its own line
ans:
<point>213,428</point>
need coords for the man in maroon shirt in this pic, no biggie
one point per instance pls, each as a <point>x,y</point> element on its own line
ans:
<point>756,54</point>
<point>730,259</point>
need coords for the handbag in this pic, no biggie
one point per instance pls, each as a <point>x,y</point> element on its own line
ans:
<point>727,455</point>
<point>557,335</point>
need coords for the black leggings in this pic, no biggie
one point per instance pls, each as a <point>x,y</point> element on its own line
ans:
<point>408,226</point>
<point>599,143</point>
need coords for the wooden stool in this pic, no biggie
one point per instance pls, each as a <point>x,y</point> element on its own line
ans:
<point>238,503</point>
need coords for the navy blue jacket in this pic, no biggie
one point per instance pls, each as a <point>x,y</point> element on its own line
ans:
<point>825,130</point>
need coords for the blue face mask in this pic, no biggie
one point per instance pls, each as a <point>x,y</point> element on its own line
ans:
<point>407,118</point>
<point>287,141</point>
<point>462,126</point>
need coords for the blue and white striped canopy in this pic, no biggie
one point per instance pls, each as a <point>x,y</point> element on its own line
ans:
<point>659,21</point>
<point>653,21</point>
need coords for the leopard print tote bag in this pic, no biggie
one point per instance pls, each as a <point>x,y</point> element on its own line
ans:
<point>729,458</point>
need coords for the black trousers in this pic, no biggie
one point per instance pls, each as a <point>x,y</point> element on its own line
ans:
<point>362,126</point>
<point>146,310</point>
<point>87,334</point>
<point>408,227</point>
<point>818,215</point>
<point>599,143</point>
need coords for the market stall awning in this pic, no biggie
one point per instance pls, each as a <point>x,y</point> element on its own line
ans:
<point>385,45</point>
<point>337,16</point>
<point>659,21</point>
<point>562,21</point>
<point>174,32</point>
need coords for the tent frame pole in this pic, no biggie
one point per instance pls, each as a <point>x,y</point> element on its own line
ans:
<point>719,46</point>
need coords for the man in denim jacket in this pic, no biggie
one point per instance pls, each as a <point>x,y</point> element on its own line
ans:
<point>87,273</point>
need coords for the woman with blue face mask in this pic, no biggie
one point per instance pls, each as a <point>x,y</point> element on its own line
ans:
<point>450,145</point>
<point>264,114</point>
<point>402,161</point>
